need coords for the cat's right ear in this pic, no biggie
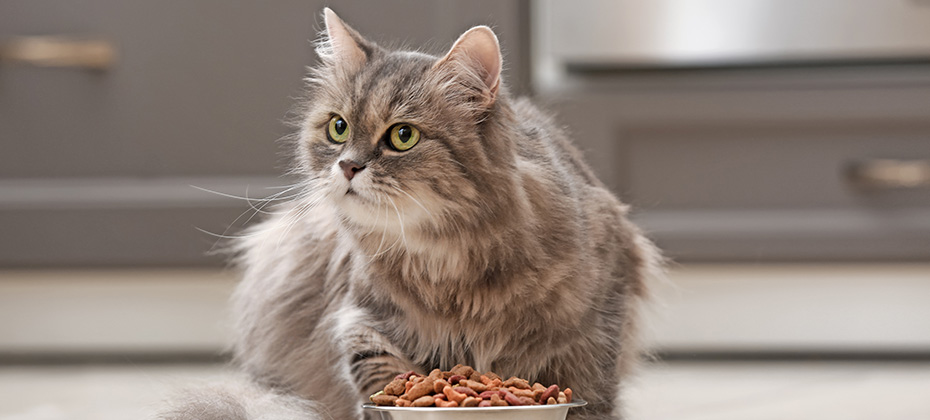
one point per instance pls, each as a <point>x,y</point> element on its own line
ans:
<point>340,45</point>
<point>476,55</point>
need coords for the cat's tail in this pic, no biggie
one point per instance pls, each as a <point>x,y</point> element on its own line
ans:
<point>239,400</point>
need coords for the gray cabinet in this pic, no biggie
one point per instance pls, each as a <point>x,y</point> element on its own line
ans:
<point>96,166</point>
<point>759,164</point>
<point>773,130</point>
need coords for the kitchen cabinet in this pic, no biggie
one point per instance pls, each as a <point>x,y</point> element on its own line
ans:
<point>765,164</point>
<point>97,163</point>
<point>745,131</point>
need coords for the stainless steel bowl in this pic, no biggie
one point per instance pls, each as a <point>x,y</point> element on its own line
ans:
<point>523,412</point>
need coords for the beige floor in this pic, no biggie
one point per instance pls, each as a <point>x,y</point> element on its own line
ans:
<point>672,391</point>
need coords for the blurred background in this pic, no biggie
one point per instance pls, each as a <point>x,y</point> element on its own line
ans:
<point>777,151</point>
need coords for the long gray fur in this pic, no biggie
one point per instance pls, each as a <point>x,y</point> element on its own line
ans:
<point>489,243</point>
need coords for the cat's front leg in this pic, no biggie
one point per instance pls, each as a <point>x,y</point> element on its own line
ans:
<point>370,358</point>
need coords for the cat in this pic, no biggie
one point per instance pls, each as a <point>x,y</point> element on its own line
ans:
<point>439,221</point>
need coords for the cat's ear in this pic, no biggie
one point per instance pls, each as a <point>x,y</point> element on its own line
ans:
<point>477,52</point>
<point>341,45</point>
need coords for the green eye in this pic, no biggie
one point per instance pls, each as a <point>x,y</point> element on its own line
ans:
<point>404,137</point>
<point>338,130</point>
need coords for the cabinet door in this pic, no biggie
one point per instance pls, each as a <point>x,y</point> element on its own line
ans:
<point>97,165</point>
<point>767,164</point>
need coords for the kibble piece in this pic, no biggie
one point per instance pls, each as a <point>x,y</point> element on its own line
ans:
<point>405,376</point>
<point>487,394</point>
<point>383,399</point>
<point>552,391</point>
<point>396,387</point>
<point>477,386</point>
<point>466,390</point>
<point>425,386</point>
<point>453,395</point>
<point>512,399</point>
<point>455,379</point>
<point>439,385</point>
<point>496,401</point>
<point>424,401</point>
<point>517,383</point>
<point>521,392</point>
<point>471,402</point>
<point>492,375</point>
<point>463,370</point>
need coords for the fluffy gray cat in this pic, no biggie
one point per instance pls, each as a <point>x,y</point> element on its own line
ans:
<point>440,221</point>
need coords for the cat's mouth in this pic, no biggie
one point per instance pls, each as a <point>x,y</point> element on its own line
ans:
<point>357,195</point>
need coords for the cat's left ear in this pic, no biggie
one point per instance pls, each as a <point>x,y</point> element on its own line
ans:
<point>341,45</point>
<point>477,52</point>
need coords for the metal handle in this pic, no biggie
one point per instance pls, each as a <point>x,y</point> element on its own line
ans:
<point>890,173</point>
<point>57,51</point>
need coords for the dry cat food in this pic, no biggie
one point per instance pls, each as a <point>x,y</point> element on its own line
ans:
<point>463,386</point>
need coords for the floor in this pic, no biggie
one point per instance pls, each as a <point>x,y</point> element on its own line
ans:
<point>664,391</point>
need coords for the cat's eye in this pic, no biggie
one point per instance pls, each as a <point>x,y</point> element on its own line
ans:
<point>404,136</point>
<point>338,130</point>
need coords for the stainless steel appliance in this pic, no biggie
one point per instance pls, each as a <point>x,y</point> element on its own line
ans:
<point>601,34</point>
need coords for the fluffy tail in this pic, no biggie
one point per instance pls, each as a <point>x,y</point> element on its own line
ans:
<point>239,401</point>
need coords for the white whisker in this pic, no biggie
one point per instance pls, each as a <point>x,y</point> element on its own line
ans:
<point>383,229</point>
<point>223,235</point>
<point>399,220</point>
<point>255,210</point>
<point>415,201</point>
<point>374,225</point>
<point>222,194</point>
<point>297,196</point>
<point>302,209</point>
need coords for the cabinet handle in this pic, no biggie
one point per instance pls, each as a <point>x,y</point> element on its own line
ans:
<point>890,173</point>
<point>59,51</point>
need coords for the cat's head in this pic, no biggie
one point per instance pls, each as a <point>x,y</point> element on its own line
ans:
<point>398,140</point>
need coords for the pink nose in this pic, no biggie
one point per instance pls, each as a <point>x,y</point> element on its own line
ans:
<point>350,168</point>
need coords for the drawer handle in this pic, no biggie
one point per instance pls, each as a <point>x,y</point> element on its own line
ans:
<point>890,173</point>
<point>57,51</point>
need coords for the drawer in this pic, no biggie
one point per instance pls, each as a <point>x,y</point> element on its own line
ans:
<point>777,192</point>
<point>113,237</point>
<point>101,222</point>
<point>765,165</point>
<point>195,88</point>
<point>771,166</point>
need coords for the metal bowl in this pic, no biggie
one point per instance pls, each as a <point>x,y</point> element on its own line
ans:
<point>522,412</point>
